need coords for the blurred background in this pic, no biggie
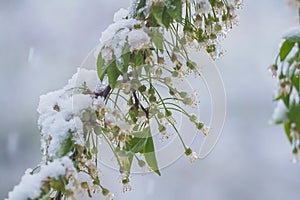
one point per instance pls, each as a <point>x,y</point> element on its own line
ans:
<point>43,42</point>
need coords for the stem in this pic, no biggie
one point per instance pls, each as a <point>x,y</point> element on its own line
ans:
<point>179,108</point>
<point>137,103</point>
<point>58,196</point>
<point>112,149</point>
<point>172,124</point>
<point>117,96</point>
<point>104,93</point>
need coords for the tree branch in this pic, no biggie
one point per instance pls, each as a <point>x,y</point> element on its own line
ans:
<point>137,103</point>
<point>104,93</point>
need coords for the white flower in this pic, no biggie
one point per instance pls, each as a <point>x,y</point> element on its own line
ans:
<point>203,6</point>
<point>294,133</point>
<point>31,184</point>
<point>59,109</point>
<point>295,157</point>
<point>205,130</point>
<point>109,196</point>
<point>78,135</point>
<point>138,40</point>
<point>107,54</point>
<point>127,187</point>
<point>273,70</point>
<point>193,157</point>
<point>116,35</point>
<point>285,87</point>
<point>114,28</point>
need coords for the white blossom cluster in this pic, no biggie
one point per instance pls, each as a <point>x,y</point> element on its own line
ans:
<point>60,112</point>
<point>286,70</point>
<point>31,184</point>
<point>132,57</point>
<point>64,116</point>
<point>214,23</point>
<point>122,31</point>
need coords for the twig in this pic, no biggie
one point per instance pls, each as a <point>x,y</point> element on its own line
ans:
<point>137,103</point>
<point>104,93</point>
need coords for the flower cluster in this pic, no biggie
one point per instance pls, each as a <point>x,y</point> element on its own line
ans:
<point>61,112</point>
<point>287,71</point>
<point>69,142</point>
<point>120,103</point>
<point>210,22</point>
<point>51,178</point>
<point>295,3</point>
<point>199,23</point>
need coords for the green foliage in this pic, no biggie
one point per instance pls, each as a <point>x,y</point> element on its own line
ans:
<point>174,9</point>
<point>113,74</point>
<point>150,49</point>
<point>287,129</point>
<point>157,11</point>
<point>158,40</point>
<point>285,49</point>
<point>293,38</point>
<point>138,142</point>
<point>66,146</point>
<point>126,58</point>
<point>101,69</point>
<point>294,114</point>
<point>287,64</point>
<point>149,153</point>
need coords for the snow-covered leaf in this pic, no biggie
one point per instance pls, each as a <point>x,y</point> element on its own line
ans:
<point>293,35</point>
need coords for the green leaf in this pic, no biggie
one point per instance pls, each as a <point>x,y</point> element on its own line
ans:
<point>293,38</point>
<point>112,74</point>
<point>212,2</point>
<point>157,10</point>
<point>120,67</point>
<point>158,40</point>
<point>138,142</point>
<point>133,113</point>
<point>66,146</point>
<point>285,49</point>
<point>191,65</point>
<point>277,98</point>
<point>142,4</point>
<point>126,57</point>
<point>166,18</point>
<point>101,69</point>
<point>286,100</point>
<point>287,129</point>
<point>149,153</point>
<point>296,81</point>
<point>139,59</point>
<point>137,145</point>
<point>174,9</point>
<point>294,114</point>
